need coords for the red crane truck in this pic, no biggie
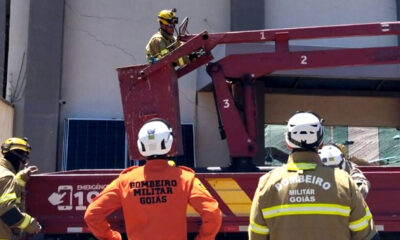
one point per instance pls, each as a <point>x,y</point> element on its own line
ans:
<point>58,200</point>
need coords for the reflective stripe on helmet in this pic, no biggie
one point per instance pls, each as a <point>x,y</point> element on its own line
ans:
<point>257,228</point>
<point>362,223</point>
<point>306,209</point>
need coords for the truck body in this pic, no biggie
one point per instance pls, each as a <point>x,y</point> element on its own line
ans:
<point>58,200</point>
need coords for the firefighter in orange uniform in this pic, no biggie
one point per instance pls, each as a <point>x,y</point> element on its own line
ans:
<point>154,197</point>
<point>13,176</point>
<point>304,199</point>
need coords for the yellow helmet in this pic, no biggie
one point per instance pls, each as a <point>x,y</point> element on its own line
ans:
<point>15,143</point>
<point>168,17</point>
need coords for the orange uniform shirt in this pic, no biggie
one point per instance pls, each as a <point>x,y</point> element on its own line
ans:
<point>154,199</point>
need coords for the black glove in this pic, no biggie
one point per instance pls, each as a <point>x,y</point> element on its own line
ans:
<point>193,56</point>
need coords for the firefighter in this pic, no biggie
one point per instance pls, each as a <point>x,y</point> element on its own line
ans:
<point>14,174</point>
<point>164,41</point>
<point>154,197</point>
<point>304,199</point>
<point>333,155</point>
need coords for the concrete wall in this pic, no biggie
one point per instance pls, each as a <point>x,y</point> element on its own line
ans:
<point>336,110</point>
<point>17,55</point>
<point>3,14</point>
<point>43,75</point>
<point>210,149</point>
<point>292,13</point>
<point>101,35</point>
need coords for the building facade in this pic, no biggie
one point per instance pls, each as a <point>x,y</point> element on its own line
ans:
<point>62,55</point>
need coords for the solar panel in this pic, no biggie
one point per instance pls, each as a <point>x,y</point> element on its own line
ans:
<point>101,144</point>
<point>94,144</point>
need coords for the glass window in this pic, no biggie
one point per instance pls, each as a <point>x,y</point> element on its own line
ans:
<point>375,145</point>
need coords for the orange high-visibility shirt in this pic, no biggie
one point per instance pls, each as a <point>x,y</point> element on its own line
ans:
<point>154,199</point>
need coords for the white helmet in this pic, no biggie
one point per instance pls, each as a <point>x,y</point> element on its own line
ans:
<point>304,131</point>
<point>331,155</point>
<point>155,138</point>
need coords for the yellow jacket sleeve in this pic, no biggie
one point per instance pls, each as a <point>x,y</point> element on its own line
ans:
<point>8,196</point>
<point>258,229</point>
<point>360,223</point>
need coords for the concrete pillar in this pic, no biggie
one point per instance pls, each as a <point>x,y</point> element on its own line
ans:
<point>42,92</point>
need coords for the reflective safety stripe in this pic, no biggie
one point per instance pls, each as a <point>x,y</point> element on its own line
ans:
<point>25,222</point>
<point>164,52</point>
<point>257,228</point>
<point>301,166</point>
<point>181,62</point>
<point>19,180</point>
<point>368,213</point>
<point>306,209</point>
<point>361,223</point>
<point>18,201</point>
<point>7,197</point>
